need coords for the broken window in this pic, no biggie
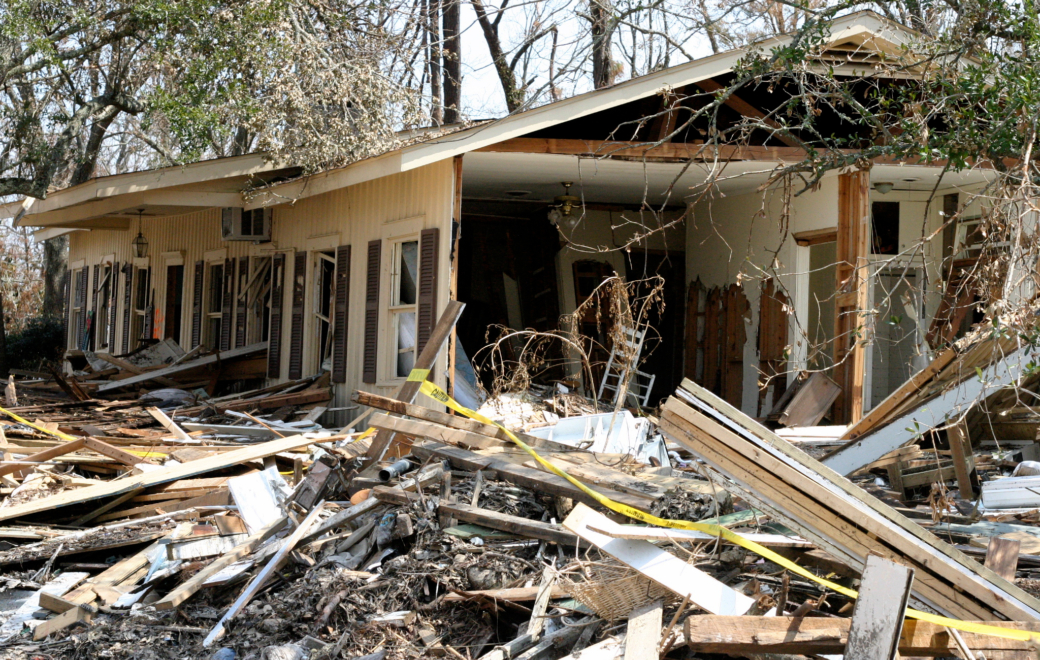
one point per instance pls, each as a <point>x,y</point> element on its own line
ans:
<point>257,294</point>
<point>214,304</point>
<point>404,260</point>
<point>324,290</point>
<point>884,236</point>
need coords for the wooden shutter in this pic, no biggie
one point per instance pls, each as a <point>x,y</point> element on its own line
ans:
<point>369,362</point>
<point>149,312</point>
<point>298,297</point>
<point>66,288</point>
<point>113,305</point>
<point>339,318</point>
<point>274,342</point>
<point>94,308</point>
<point>81,302</point>
<point>128,310</point>
<point>196,304</point>
<point>240,304</point>
<point>227,304</point>
<point>427,314</point>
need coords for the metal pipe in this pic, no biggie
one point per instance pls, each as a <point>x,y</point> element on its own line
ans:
<point>396,469</point>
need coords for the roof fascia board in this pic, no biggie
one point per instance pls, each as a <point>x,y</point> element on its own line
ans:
<point>119,184</point>
<point>323,182</point>
<point>47,234</point>
<point>106,206</point>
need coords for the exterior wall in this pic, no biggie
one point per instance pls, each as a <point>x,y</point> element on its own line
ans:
<point>736,238</point>
<point>389,207</point>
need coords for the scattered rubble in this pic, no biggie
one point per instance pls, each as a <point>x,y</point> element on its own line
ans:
<point>172,518</point>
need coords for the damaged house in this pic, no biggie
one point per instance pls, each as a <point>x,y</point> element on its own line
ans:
<point>520,218</point>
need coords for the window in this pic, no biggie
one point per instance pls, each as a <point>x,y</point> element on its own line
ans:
<point>103,316</point>
<point>214,305</point>
<point>404,264</point>
<point>78,318</point>
<point>174,301</point>
<point>140,306</point>
<point>324,291</point>
<point>884,237</point>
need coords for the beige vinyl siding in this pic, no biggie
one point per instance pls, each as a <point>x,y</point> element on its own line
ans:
<point>353,215</point>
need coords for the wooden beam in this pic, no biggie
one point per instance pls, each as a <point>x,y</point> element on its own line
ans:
<point>115,453</point>
<point>507,523</point>
<point>457,437</point>
<point>963,458</point>
<point>45,455</point>
<point>853,278</point>
<point>644,631</point>
<point>746,109</point>
<point>815,236</point>
<point>1002,556</point>
<point>739,635</point>
<point>165,475</point>
<point>205,360</point>
<point>426,360</point>
<point>61,622</point>
<point>877,620</point>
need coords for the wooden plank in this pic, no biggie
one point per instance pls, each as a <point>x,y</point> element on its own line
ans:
<point>190,587</point>
<point>45,455</point>
<point>56,587</point>
<point>61,622</point>
<point>456,437</point>
<point>165,475</point>
<point>169,424</point>
<point>83,520</point>
<point>667,570</point>
<point>877,620</point>
<point>523,476</point>
<point>264,575</point>
<point>853,278</point>
<point>515,594</point>
<point>638,532</point>
<point>829,510</point>
<point>124,457</point>
<point>1002,556</point>
<point>963,459</point>
<point>57,604</point>
<point>205,360</point>
<point>505,522</point>
<point>812,401</point>
<point>644,631</point>
<point>426,360</point>
<point>828,635</point>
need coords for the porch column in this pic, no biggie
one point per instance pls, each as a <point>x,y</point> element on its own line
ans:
<point>850,307</point>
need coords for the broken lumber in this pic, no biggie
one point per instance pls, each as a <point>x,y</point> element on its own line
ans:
<point>877,619</point>
<point>739,635</point>
<point>205,360</point>
<point>165,475</point>
<point>829,510</point>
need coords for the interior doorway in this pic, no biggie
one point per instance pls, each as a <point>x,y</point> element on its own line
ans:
<point>663,348</point>
<point>820,322</point>
<point>893,357</point>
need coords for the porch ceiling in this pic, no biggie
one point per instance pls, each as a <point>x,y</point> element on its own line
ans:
<point>490,175</point>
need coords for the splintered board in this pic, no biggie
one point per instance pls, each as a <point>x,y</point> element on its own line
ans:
<point>829,510</point>
<point>165,475</point>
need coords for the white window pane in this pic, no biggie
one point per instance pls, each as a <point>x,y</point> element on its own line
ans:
<point>409,273</point>
<point>405,343</point>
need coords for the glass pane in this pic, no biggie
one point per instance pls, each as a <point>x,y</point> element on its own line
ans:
<point>405,343</point>
<point>409,273</point>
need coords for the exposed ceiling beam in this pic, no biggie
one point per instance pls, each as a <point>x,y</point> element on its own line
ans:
<point>746,109</point>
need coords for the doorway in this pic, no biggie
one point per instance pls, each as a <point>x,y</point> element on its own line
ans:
<point>663,348</point>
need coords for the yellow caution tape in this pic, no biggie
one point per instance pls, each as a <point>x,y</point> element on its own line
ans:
<point>57,434</point>
<point>435,392</point>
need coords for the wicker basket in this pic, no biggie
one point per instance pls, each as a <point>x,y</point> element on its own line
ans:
<point>613,590</point>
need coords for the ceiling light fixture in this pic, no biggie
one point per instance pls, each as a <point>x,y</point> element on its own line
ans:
<point>560,209</point>
<point>884,187</point>
<point>140,244</point>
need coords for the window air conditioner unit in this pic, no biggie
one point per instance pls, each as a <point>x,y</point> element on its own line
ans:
<point>240,225</point>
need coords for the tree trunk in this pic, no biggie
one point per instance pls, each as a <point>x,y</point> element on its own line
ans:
<point>452,61</point>
<point>514,97</point>
<point>602,76</point>
<point>55,260</point>
<point>433,18</point>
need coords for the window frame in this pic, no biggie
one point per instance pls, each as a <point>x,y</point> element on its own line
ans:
<point>395,309</point>
<point>77,307</point>
<point>103,315</point>
<point>322,349</point>
<point>141,285</point>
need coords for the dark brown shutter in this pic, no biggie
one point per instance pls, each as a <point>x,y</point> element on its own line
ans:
<point>274,342</point>
<point>370,361</point>
<point>81,302</point>
<point>298,297</point>
<point>66,288</point>
<point>149,311</point>
<point>339,318</point>
<point>427,316</point>
<point>227,304</point>
<point>196,304</point>
<point>94,330</point>
<point>113,306</point>
<point>240,303</point>
<point>128,309</point>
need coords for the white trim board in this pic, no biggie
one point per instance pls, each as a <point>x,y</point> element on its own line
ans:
<point>934,413</point>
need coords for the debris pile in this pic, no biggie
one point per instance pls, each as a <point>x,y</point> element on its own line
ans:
<point>227,527</point>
